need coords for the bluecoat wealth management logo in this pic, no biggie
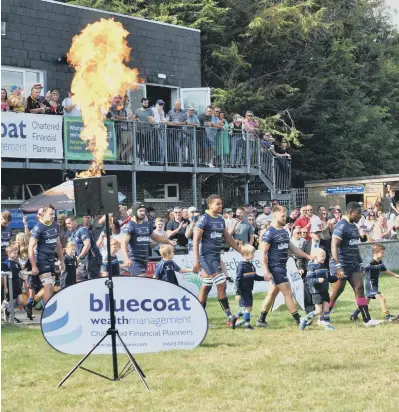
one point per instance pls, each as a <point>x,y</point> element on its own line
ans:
<point>55,324</point>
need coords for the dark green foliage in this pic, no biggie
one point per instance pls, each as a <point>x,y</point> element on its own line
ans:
<point>322,73</point>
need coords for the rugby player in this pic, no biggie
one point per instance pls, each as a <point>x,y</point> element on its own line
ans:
<point>136,240</point>
<point>347,263</point>
<point>43,245</point>
<point>274,255</point>
<point>88,255</point>
<point>207,245</point>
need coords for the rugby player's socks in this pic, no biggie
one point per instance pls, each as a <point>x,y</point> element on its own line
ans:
<point>296,316</point>
<point>364,308</point>
<point>247,318</point>
<point>224,303</point>
<point>240,313</point>
<point>310,315</point>
<point>355,314</point>
<point>262,316</point>
<point>332,303</point>
<point>203,304</point>
<point>326,317</point>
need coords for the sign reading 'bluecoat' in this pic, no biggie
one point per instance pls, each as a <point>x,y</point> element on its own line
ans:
<point>151,316</point>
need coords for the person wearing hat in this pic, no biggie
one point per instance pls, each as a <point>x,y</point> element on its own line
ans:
<point>250,128</point>
<point>70,109</point>
<point>136,240</point>
<point>309,246</point>
<point>16,101</point>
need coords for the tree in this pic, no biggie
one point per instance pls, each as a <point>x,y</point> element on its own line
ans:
<point>323,74</point>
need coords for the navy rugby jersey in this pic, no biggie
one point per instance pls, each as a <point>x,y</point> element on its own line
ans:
<point>374,268</point>
<point>79,236</point>
<point>165,270</point>
<point>246,276</point>
<point>139,240</point>
<point>279,240</point>
<point>5,241</point>
<point>314,272</point>
<point>46,236</point>
<point>348,250</point>
<point>212,236</point>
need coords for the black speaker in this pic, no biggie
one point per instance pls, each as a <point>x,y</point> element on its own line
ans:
<point>96,195</point>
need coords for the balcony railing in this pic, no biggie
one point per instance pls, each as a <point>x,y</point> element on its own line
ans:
<point>161,145</point>
<point>145,146</point>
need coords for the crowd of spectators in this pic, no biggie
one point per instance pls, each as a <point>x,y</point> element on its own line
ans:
<point>159,133</point>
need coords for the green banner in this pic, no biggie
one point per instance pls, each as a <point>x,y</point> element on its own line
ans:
<point>76,149</point>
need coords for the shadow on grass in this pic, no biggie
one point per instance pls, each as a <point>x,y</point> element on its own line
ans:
<point>220,344</point>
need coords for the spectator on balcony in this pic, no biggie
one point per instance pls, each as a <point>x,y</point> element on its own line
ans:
<point>283,150</point>
<point>212,132</point>
<point>4,104</point>
<point>158,120</point>
<point>268,144</point>
<point>222,139</point>
<point>237,142</point>
<point>205,144</point>
<point>16,101</point>
<point>124,136</point>
<point>70,109</point>
<point>188,135</point>
<point>144,115</point>
<point>176,228</point>
<point>52,105</point>
<point>33,105</point>
<point>250,128</point>
<point>126,105</point>
<point>177,118</point>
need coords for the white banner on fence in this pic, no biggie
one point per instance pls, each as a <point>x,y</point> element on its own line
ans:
<point>31,136</point>
<point>151,316</point>
<point>192,281</point>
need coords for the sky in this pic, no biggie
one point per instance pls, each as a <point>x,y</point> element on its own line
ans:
<point>394,4</point>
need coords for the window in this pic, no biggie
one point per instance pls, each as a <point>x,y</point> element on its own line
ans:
<point>24,78</point>
<point>159,192</point>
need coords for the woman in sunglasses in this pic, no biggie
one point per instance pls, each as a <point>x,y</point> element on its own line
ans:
<point>325,228</point>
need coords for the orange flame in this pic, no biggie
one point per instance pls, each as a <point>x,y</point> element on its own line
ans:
<point>99,54</point>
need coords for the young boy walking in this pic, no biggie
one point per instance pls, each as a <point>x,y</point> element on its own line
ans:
<point>246,275</point>
<point>373,271</point>
<point>317,282</point>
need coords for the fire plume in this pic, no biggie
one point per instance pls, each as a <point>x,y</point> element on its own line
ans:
<point>99,55</point>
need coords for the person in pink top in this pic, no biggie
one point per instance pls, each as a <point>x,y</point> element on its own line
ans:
<point>250,130</point>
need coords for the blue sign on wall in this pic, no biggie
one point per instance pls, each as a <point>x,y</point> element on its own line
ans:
<point>16,221</point>
<point>338,190</point>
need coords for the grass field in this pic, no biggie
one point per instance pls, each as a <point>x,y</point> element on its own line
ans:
<point>274,369</point>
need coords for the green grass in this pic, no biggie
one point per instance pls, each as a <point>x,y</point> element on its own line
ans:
<point>277,369</point>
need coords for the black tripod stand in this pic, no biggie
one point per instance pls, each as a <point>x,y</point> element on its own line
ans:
<point>131,364</point>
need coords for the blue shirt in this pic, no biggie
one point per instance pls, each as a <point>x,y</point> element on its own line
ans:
<point>348,250</point>
<point>374,268</point>
<point>79,236</point>
<point>46,236</point>
<point>139,240</point>
<point>246,275</point>
<point>212,236</point>
<point>165,270</point>
<point>279,240</point>
<point>314,272</point>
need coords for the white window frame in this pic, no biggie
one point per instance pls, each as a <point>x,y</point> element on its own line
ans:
<point>23,71</point>
<point>166,198</point>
